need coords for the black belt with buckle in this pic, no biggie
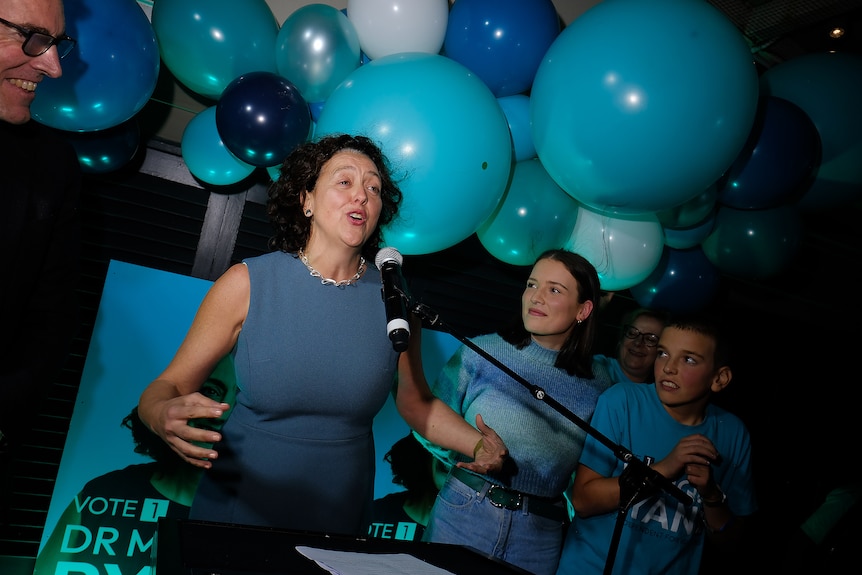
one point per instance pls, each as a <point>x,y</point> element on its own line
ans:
<point>500,496</point>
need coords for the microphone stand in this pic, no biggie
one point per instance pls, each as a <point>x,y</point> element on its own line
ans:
<point>638,480</point>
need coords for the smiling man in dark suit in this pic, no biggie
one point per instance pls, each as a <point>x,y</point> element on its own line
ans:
<point>40,182</point>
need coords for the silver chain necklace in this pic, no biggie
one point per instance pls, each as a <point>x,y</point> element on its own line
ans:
<point>330,282</point>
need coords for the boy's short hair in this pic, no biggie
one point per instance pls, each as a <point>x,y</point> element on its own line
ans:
<point>709,326</point>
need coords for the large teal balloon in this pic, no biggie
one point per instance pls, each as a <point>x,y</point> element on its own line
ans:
<point>316,48</point>
<point>206,45</point>
<point>535,215</point>
<point>753,244</point>
<point>206,156</point>
<point>827,87</point>
<point>445,135</point>
<point>109,76</point>
<point>646,118</point>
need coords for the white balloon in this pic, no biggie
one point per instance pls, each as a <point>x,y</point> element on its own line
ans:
<point>624,249</point>
<point>393,26</point>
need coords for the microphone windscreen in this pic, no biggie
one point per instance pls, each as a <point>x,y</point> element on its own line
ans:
<point>387,255</point>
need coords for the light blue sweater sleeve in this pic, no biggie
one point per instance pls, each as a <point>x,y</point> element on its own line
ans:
<point>544,445</point>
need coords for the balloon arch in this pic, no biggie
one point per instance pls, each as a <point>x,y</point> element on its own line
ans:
<point>661,153</point>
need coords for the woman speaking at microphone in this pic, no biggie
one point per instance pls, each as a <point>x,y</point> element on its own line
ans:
<point>307,330</point>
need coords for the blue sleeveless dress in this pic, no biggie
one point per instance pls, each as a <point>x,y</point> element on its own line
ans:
<point>314,366</point>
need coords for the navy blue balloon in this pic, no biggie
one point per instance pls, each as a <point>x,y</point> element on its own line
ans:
<point>778,162</point>
<point>827,86</point>
<point>754,244</point>
<point>261,117</point>
<point>683,281</point>
<point>501,41</point>
<point>106,150</point>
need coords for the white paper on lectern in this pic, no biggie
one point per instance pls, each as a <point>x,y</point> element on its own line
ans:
<point>351,563</point>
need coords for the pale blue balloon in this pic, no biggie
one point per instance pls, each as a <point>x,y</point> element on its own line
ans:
<point>624,249</point>
<point>316,48</point>
<point>109,76</point>
<point>206,156</point>
<point>444,134</point>
<point>206,45</point>
<point>646,118</point>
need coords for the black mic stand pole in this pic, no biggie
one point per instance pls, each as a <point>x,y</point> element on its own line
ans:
<point>638,479</point>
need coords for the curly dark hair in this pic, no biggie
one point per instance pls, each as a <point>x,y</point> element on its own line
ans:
<point>576,355</point>
<point>298,175</point>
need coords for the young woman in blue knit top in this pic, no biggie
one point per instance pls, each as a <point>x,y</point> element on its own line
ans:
<point>518,515</point>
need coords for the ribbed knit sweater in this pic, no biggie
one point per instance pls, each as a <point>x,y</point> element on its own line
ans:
<point>543,444</point>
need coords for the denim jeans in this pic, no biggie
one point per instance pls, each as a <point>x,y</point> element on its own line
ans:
<point>463,517</point>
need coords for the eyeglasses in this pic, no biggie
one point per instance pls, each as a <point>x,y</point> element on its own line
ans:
<point>37,43</point>
<point>649,339</point>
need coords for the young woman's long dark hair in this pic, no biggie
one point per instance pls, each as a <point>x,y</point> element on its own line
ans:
<point>576,355</point>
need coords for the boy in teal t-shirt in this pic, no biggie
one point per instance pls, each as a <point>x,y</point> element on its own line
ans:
<point>704,450</point>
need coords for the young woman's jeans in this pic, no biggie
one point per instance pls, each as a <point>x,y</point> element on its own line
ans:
<point>464,517</point>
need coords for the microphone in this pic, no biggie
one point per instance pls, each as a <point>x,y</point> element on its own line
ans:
<point>394,297</point>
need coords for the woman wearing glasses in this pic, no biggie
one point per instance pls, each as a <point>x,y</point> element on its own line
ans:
<point>636,349</point>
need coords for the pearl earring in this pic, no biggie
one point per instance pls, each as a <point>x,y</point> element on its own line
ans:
<point>307,213</point>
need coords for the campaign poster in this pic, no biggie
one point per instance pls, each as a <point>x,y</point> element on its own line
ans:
<point>104,508</point>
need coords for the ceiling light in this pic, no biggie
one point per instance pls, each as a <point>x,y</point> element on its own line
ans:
<point>836,32</point>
